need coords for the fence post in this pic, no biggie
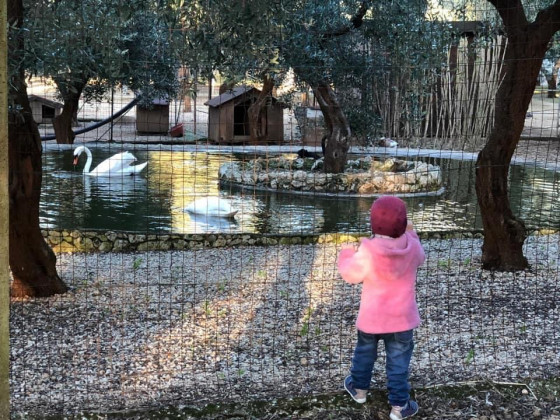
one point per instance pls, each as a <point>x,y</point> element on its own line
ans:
<point>4,220</point>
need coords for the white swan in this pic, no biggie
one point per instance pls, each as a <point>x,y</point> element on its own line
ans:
<point>211,206</point>
<point>121,163</point>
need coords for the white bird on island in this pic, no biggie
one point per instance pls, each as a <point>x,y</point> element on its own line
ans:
<point>211,206</point>
<point>119,164</point>
<point>387,142</point>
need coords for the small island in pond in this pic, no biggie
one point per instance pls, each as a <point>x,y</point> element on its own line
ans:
<point>364,176</point>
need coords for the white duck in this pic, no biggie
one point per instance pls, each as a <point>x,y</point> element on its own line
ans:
<point>211,206</point>
<point>120,164</point>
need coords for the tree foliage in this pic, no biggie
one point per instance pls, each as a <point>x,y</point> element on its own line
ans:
<point>89,46</point>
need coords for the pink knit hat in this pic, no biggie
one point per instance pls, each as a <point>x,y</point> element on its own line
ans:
<point>388,216</point>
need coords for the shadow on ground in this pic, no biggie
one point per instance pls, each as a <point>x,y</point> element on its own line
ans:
<point>475,401</point>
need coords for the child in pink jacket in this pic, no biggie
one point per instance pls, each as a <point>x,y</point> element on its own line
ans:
<point>386,266</point>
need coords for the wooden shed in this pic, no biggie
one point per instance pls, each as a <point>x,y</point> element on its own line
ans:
<point>228,120</point>
<point>44,110</point>
<point>153,119</point>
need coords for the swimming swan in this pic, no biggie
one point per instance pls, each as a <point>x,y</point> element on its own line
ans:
<point>211,206</point>
<point>120,164</point>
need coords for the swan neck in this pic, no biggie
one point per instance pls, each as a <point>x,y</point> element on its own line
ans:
<point>89,160</point>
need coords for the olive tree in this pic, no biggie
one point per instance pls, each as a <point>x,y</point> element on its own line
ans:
<point>528,42</point>
<point>229,37</point>
<point>32,262</point>
<point>31,51</point>
<point>88,46</point>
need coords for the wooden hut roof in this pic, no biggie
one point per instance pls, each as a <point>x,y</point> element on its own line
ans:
<point>229,95</point>
<point>45,101</point>
<point>467,27</point>
<point>160,101</point>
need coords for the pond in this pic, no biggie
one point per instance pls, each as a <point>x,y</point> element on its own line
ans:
<point>154,201</point>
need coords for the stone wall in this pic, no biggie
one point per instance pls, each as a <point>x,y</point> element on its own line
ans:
<point>97,241</point>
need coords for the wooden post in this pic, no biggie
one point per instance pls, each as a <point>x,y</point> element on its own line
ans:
<point>4,221</point>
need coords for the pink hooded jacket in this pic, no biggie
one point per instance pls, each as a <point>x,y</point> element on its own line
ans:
<point>387,267</point>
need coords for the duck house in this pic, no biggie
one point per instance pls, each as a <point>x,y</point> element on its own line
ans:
<point>153,119</point>
<point>228,119</point>
<point>44,110</point>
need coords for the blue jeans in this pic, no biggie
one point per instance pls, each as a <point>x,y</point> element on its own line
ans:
<point>398,349</point>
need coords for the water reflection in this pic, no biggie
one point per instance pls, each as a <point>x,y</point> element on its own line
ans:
<point>203,223</point>
<point>117,189</point>
<point>537,204</point>
<point>154,201</point>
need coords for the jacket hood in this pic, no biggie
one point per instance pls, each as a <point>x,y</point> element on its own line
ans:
<point>394,255</point>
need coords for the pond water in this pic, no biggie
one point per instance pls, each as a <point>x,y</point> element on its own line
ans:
<point>154,201</point>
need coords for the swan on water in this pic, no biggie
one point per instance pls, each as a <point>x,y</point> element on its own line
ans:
<point>120,164</point>
<point>211,206</point>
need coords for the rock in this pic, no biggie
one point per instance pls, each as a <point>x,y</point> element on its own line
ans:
<point>111,236</point>
<point>105,246</point>
<point>120,245</point>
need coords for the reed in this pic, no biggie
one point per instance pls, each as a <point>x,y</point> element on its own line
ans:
<point>454,107</point>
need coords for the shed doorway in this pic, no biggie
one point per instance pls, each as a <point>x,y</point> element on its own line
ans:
<point>241,119</point>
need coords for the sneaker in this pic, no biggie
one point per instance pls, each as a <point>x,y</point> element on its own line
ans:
<point>404,412</point>
<point>359,395</point>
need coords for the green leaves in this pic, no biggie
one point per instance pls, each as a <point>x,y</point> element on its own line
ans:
<point>106,40</point>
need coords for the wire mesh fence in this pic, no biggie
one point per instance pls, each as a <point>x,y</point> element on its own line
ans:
<point>176,301</point>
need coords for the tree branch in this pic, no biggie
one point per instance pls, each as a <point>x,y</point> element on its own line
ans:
<point>512,14</point>
<point>547,22</point>
<point>356,21</point>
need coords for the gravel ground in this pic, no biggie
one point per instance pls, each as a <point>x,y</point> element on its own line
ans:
<point>145,330</point>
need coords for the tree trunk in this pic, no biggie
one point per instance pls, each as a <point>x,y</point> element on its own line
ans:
<point>257,113</point>
<point>32,262</point>
<point>504,233</point>
<point>337,142</point>
<point>63,123</point>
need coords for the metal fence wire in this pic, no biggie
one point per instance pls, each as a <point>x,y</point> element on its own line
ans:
<point>170,304</point>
